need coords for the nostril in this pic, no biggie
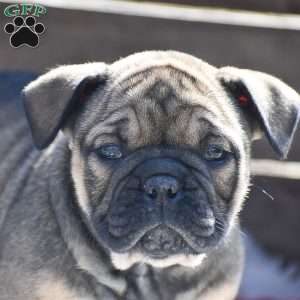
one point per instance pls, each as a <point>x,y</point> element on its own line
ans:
<point>152,193</point>
<point>171,192</point>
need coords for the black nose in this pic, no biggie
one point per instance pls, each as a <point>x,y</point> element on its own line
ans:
<point>161,187</point>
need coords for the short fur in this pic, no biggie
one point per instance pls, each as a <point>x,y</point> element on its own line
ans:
<point>76,226</point>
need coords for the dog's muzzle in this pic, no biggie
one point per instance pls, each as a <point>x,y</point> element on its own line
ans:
<point>162,205</point>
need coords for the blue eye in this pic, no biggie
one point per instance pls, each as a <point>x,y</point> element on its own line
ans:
<point>110,151</point>
<point>215,153</point>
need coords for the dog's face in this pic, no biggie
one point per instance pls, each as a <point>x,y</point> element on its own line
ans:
<point>156,165</point>
<point>160,146</point>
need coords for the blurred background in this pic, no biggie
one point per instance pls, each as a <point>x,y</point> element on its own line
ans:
<point>256,34</point>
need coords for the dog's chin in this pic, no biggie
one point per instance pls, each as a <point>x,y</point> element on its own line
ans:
<point>124,261</point>
<point>159,247</point>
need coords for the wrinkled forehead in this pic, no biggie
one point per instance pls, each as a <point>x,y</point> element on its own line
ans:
<point>161,100</point>
<point>163,86</point>
<point>160,76</point>
<point>166,92</point>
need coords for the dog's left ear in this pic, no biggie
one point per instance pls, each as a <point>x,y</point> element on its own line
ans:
<point>270,102</point>
<point>50,99</point>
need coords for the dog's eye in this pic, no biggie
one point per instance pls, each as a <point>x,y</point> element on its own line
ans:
<point>110,151</point>
<point>214,153</point>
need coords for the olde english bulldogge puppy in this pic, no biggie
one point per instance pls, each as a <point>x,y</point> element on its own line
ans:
<point>145,168</point>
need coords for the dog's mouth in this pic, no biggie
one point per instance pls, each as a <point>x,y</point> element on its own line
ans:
<point>161,242</point>
<point>160,230</point>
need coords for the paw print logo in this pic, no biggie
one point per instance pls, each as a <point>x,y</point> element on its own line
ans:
<point>24,32</point>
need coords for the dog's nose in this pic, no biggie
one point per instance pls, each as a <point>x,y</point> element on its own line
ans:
<point>161,187</point>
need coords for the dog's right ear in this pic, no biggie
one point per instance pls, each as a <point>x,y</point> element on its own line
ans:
<point>50,99</point>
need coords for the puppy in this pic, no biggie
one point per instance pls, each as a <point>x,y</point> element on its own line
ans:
<point>138,195</point>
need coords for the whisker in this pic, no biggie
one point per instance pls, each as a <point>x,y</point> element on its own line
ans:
<point>263,191</point>
<point>242,233</point>
<point>221,229</point>
<point>219,225</point>
<point>219,222</point>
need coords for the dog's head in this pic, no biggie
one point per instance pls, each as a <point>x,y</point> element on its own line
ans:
<point>160,146</point>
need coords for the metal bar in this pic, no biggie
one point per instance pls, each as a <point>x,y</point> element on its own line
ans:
<point>179,12</point>
<point>273,168</point>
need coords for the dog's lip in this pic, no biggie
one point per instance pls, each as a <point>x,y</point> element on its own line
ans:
<point>138,237</point>
<point>159,253</point>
